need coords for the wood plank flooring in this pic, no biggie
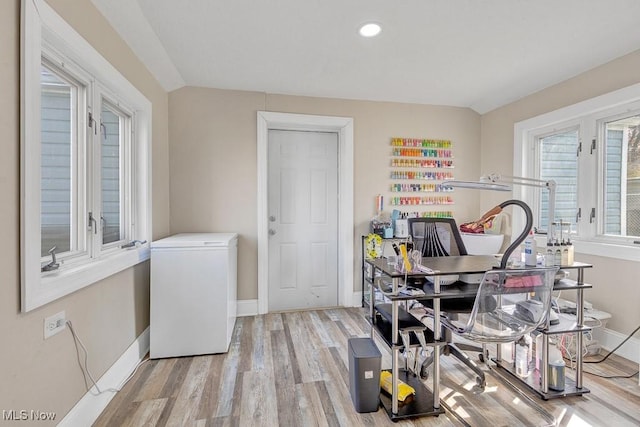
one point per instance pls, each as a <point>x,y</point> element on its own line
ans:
<point>291,369</point>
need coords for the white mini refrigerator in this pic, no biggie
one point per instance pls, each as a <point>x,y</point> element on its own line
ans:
<point>193,294</point>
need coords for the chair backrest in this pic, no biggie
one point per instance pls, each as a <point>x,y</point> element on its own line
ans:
<point>508,305</point>
<point>435,237</point>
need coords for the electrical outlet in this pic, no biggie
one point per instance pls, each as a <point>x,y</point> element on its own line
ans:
<point>54,324</point>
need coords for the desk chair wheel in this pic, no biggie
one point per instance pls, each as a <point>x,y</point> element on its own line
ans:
<point>424,372</point>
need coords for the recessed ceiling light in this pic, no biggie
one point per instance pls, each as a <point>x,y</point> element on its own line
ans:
<point>370,29</point>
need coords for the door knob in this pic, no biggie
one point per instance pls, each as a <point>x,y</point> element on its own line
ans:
<point>272,218</point>
<point>272,232</point>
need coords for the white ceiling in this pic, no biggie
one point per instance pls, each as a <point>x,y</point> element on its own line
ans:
<point>468,53</point>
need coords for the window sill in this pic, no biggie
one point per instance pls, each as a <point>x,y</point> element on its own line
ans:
<point>58,283</point>
<point>607,250</point>
<point>597,248</point>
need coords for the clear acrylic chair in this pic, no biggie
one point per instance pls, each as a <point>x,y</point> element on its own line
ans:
<point>509,304</point>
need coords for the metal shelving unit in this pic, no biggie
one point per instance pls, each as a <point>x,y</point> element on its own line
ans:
<point>537,381</point>
<point>425,402</point>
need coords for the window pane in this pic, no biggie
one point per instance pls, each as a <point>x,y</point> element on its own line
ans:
<point>622,175</point>
<point>560,163</point>
<point>111,128</point>
<point>57,107</point>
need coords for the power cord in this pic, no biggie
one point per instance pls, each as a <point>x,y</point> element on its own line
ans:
<point>84,368</point>
<point>609,354</point>
<point>611,377</point>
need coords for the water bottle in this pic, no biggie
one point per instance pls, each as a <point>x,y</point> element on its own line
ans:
<point>530,250</point>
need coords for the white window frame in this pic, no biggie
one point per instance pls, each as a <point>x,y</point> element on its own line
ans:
<point>79,77</point>
<point>534,196</point>
<point>127,204</point>
<point>42,28</point>
<point>587,115</point>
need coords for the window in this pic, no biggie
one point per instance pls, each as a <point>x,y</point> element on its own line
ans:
<point>114,125</point>
<point>621,169</point>
<point>558,161</point>
<point>85,165</point>
<point>592,151</point>
<point>61,98</point>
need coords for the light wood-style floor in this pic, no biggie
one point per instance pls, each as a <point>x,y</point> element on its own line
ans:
<point>291,369</point>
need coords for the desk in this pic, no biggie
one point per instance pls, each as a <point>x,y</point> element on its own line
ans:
<point>470,264</point>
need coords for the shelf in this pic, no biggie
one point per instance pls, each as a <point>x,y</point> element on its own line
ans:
<point>420,142</point>
<point>532,382</point>
<point>567,325</point>
<point>569,284</point>
<point>420,405</point>
<point>421,152</point>
<point>433,158</point>
<point>424,175</point>
<point>421,201</point>
<point>421,162</point>
<point>420,188</point>
<point>383,329</point>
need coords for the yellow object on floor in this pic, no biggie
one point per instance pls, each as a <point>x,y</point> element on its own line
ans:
<point>404,389</point>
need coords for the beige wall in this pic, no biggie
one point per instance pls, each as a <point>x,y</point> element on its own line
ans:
<point>611,292</point>
<point>212,137</point>
<point>109,315</point>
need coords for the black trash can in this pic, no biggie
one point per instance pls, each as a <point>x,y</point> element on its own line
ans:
<point>364,374</point>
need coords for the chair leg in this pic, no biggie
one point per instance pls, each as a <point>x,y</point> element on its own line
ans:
<point>455,351</point>
<point>424,374</point>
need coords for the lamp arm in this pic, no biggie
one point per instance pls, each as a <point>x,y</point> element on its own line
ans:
<point>520,180</point>
<point>549,184</point>
<point>523,235</point>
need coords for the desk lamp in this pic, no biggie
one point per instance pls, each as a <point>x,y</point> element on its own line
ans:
<point>499,183</point>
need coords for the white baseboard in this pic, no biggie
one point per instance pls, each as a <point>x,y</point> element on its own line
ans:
<point>609,340</point>
<point>247,307</point>
<point>356,300</point>
<point>89,408</point>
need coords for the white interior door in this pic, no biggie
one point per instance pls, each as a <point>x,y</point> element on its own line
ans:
<point>303,219</point>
